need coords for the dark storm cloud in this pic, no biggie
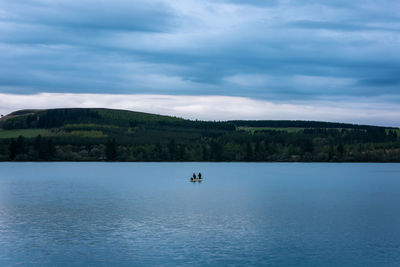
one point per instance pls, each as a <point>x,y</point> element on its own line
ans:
<point>282,50</point>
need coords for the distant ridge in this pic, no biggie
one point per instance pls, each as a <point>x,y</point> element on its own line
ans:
<point>48,118</point>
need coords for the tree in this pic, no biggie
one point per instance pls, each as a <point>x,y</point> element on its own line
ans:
<point>307,146</point>
<point>181,152</point>
<point>39,146</point>
<point>13,149</point>
<point>172,148</point>
<point>111,150</point>
<point>205,152</point>
<point>249,152</point>
<point>216,151</point>
<point>158,152</point>
<point>258,151</point>
<point>340,148</point>
<point>45,149</point>
<point>50,149</point>
<point>17,147</point>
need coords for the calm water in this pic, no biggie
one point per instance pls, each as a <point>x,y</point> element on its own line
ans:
<point>124,214</point>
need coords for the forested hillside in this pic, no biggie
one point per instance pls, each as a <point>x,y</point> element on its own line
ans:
<point>118,135</point>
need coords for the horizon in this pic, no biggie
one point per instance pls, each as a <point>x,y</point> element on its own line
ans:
<point>209,60</point>
<point>205,120</point>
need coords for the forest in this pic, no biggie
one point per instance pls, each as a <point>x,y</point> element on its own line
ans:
<point>118,135</point>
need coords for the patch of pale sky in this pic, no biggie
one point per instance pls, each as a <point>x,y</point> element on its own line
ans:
<point>210,107</point>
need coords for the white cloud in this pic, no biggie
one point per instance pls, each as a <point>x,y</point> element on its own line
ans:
<point>212,107</point>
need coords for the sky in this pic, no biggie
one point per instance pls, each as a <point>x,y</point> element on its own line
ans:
<point>205,59</point>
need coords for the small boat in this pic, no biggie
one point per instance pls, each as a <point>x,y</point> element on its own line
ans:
<point>195,179</point>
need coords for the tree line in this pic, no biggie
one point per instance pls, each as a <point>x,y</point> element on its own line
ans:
<point>114,135</point>
<point>323,145</point>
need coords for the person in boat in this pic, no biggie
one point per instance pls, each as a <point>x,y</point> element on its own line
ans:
<point>194,176</point>
<point>199,175</point>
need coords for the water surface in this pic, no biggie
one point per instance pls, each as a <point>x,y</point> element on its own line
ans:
<point>148,214</point>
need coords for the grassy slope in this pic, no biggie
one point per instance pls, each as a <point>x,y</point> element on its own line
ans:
<point>120,124</point>
<point>28,133</point>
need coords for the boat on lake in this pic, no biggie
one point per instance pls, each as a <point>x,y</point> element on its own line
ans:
<point>195,178</point>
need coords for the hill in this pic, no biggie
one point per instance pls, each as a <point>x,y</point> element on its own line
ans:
<point>96,134</point>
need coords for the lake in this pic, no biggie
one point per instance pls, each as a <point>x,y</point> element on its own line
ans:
<point>149,214</point>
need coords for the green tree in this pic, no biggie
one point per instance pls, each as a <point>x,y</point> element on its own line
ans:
<point>307,146</point>
<point>13,150</point>
<point>17,147</point>
<point>50,149</point>
<point>205,152</point>
<point>172,149</point>
<point>216,151</point>
<point>340,148</point>
<point>249,152</point>
<point>111,150</point>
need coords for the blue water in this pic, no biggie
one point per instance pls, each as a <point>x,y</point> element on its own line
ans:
<point>149,214</point>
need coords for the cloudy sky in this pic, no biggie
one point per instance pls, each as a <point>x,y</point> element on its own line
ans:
<point>332,60</point>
